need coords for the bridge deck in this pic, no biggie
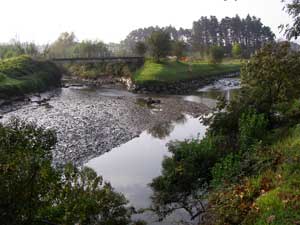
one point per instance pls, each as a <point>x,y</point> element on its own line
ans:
<point>100,59</point>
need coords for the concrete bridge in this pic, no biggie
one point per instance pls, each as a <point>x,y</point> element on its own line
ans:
<point>127,59</point>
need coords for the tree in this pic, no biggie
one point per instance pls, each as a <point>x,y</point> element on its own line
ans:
<point>89,49</point>
<point>249,32</point>
<point>62,47</point>
<point>185,177</point>
<point>178,48</point>
<point>17,48</point>
<point>30,49</point>
<point>293,9</point>
<point>159,44</point>
<point>271,79</point>
<point>216,54</point>
<point>236,50</point>
<point>140,48</point>
<point>142,34</point>
<point>34,191</point>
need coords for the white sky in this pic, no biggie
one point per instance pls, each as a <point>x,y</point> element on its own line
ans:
<point>42,21</point>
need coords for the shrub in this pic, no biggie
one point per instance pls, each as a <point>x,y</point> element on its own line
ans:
<point>2,77</point>
<point>96,70</point>
<point>252,129</point>
<point>233,204</point>
<point>33,191</point>
<point>178,49</point>
<point>271,78</point>
<point>226,171</point>
<point>236,50</point>
<point>216,54</point>
<point>185,175</point>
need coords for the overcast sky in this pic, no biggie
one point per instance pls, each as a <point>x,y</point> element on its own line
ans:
<point>42,21</point>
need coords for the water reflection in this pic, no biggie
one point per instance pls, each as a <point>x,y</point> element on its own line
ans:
<point>209,95</point>
<point>161,131</point>
<point>134,164</point>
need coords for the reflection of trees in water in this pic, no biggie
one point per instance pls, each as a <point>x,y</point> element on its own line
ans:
<point>181,120</point>
<point>163,130</point>
<point>217,94</point>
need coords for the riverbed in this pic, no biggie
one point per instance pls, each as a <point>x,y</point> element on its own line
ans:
<point>114,132</point>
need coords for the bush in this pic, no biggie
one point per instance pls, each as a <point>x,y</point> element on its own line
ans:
<point>252,129</point>
<point>236,50</point>
<point>185,175</point>
<point>227,171</point>
<point>216,54</point>
<point>33,191</point>
<point>178,49</point>
<point>96,70</point>
<point>2,77</point>
<point>271,78</point>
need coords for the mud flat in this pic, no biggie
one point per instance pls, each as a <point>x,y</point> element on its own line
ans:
<point>90,122</point>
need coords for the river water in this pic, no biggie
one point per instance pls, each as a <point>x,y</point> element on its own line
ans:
<point>127,153</point>
<point>132,166</point>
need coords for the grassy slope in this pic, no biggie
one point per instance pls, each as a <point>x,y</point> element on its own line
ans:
<point>270,197</point>
<point>281,205</point>
<point>173,71</point>
<point>22,75</point>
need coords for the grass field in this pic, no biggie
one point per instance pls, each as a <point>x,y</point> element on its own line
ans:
<point>21,75</point>
<point>169,71</point>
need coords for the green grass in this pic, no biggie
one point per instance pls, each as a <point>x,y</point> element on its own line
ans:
<point>21,75</point>
<point>270,196</point>
<point>170,71</point>
<point>4,80</point>
<point>281,205</point>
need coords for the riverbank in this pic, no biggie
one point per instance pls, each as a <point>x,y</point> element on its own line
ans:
<point>169,77</point>
<point>172,71</point>
<point>90,122</point>
<point>172,77</point>
<point>101,70</point>
<point>93,122</point>
<point>22,75</point>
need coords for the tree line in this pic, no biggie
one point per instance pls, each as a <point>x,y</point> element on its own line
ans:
<point>66,45</point>
<point>249,33</point>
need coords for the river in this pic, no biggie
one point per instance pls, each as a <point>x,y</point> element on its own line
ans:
<point>122,140</point>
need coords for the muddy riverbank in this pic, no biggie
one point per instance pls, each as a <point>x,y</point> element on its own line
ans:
<point>91,121</point>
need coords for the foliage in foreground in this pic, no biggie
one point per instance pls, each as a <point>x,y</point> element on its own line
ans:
<point>247,176</point>
<point>33,191</point>
<point>293,9</point>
